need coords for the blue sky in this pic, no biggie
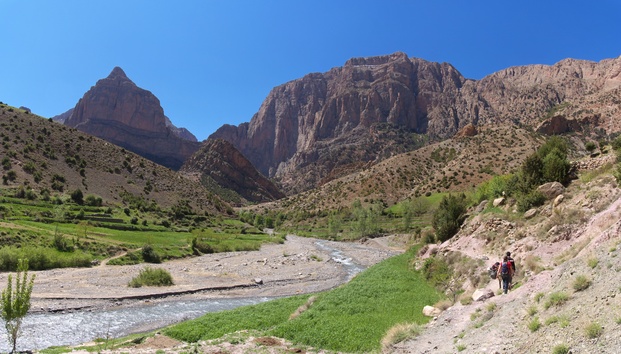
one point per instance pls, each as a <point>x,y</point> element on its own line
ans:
<point>213,62</point>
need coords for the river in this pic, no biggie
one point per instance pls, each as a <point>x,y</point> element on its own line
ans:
<point>43,330</point>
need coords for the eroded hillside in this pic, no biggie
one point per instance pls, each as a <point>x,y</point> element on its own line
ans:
<point>568,279</point>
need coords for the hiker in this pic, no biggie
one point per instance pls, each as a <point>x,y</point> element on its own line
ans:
<point>512,263</point>
<point>505,272</point>
<point>493,273</point>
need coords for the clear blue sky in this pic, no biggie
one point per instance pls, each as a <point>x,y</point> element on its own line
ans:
<point>213,62</point>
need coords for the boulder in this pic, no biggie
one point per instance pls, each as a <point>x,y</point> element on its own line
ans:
<point>499,201</point>
<point>481,206</point>
<point>551,189</point>
<point>530,213</point>
<point>558,200</point>
<point>431,311</point>
<point>482,294</point>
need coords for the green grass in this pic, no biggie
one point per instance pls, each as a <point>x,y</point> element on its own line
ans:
<point>560,349</point>
<point>351,318</point>
<point>151,277</point>
<point>556,299</point>
<point>534,324</point>
<point>593,330</point>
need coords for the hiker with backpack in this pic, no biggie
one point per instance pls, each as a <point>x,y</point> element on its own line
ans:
<point>505,272</point>
<point>512,263</point>
<point>493,273</point>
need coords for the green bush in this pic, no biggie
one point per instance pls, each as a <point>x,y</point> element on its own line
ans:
<point>593,330</point>
<point>530,200</point>
<point>449,216</point>
<point>149,255</point>
<point>151,277</point>
<point>534,324</point>
<point>581,282</point>
<point>556,299</point>
<point>560,349</point>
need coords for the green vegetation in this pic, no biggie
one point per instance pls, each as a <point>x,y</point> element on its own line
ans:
<point>351,318</point>
<point>151,277</point>
<point>534,324</point>
<point>581,282</point>
<point>449,216</point>
<point>593,330</point>
<point>561,349</point>
<point>557,299</point>
<point>16,301</point>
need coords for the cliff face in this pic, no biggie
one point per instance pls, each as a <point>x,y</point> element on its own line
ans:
<point>309,129</point>
<point>117,110</point>
<point>219,161</point>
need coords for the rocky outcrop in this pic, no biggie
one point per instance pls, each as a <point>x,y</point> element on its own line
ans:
<point>218,161</point>
<point>117,110</point>
<point>372,108</point>
<point>560,125</point>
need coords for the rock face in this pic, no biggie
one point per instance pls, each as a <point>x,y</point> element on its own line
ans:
<point>218,161</point>
<point>312,129</point>
<point>117,110</point>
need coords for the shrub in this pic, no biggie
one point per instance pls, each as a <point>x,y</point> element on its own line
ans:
<point>77,196</point>
<point>581,282</point>
<point>449,216</point>
<point>151,277</point>
<point>556,299</point>
<point>149,255</point>
<point>16,302</point>
<point>592,262</point>
<point>590,146</point>
<point>560,349</point>
<point>594,330</point>
<point>399,333</point>
<point>534,324</point>
<point>530,200</point>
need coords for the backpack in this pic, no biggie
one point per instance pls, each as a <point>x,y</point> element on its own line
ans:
<point>504,270</point>
<point>493,270</point>
<point>512,262</point>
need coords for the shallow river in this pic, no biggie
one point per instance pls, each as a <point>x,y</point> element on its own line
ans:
<point>43,330</point>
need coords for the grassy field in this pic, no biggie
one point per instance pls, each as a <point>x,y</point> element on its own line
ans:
<point>55,235</point>
<point>351,318</point>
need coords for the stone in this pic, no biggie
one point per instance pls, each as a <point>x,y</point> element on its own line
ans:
<point>431,311</point>
<point>530,213</point>
<point>558,200</point>
<point>258,281</point>
<point>551,189</point>
<point>481,206</point>
<point>498,201</point>
<point>482,294</point>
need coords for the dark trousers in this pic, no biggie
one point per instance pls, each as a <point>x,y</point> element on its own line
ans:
<point>506,280</point>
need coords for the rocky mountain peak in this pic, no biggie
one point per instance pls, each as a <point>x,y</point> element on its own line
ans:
<point>117,110</point>
<point>118,74</point>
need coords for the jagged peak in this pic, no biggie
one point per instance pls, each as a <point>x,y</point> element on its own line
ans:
<point>117,72</point>
<point>377,60</point>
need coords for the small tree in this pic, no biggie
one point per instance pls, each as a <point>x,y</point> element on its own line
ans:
<point>16,302</point>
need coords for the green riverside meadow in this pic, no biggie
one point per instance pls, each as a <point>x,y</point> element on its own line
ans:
<point>350,318</point>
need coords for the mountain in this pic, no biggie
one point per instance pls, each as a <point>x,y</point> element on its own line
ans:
<point>218,163</point>
<point>327,125</point>
<point>48,157</point>
<point>117,110</point>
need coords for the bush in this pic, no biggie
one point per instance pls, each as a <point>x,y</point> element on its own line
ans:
<point>534,324</point>
<point>581,282</point>
<point>151,277</point>
<point>449,216</point>
<point>149,255</point>
<point>556,299</point>
<point>560,349</point>
<point>530,200</point>
<point>594,330</point>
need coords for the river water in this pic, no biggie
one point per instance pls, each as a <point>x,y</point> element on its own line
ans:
<point>43,330</point>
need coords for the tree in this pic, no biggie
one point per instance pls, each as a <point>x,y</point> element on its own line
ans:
<point>16,302</point>
<point>448,217</point>
<point>77,196</point>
